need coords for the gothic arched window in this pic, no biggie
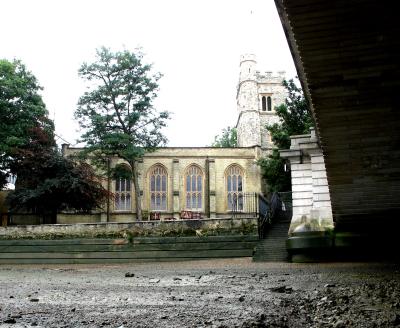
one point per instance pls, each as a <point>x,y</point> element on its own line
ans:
<point>234,187</point>
<point>123,184</point>
<point>264,103</point>
<point>269,102</point>
<point>194,188</point>
<point>158,188</point>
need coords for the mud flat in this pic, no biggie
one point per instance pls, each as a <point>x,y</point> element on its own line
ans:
<point>205,293</point>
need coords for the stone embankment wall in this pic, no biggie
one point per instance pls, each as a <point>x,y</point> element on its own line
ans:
<point>204,227</point>
<point>118,250</point>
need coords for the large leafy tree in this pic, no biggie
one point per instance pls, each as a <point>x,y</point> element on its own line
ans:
<point>227,139</point>
<point>117,111</point>
<point>22,115</point>
<point>55,183</point>
<point>46,182</point>
<point>295,118</point>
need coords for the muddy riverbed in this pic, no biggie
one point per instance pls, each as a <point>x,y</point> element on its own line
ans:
<point>217,293</point>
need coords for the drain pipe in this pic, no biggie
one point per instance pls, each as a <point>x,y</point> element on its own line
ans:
<point>207,189</point>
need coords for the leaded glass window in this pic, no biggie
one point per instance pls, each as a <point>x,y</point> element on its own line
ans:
<point>234,187</point>
<point>158,188</point>
<point>269,103</point>
<point>194,188</point>
<point>264,103</point>
<point>122,194</point>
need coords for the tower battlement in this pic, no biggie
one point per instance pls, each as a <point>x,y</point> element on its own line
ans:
<point>258,94</point>
<point>270,77</point>
<point>248,57</point>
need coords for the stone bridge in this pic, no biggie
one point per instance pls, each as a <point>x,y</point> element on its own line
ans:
<point>347,58</point>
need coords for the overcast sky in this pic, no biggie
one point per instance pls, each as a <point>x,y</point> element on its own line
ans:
<point>195,44</point>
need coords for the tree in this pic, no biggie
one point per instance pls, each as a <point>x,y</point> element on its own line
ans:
<point>227,139</point>
<point>46,182</point>
<point>295,118</point>
<point>55,183</point>
<point>273,171</point>
<point>22,111</point>
<point>117,111</point>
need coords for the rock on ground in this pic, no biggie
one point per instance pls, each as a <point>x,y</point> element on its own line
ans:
<point>215,293</point>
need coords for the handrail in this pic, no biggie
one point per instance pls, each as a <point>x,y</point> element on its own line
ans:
<point>269,212</point>
<point>263,215</point>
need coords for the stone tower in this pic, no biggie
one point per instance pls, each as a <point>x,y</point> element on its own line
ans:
<point>257,96</point>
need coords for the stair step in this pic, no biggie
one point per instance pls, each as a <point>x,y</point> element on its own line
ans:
<point>273,247</point>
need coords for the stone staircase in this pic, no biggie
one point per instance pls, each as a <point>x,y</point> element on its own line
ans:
<point>273,247</point>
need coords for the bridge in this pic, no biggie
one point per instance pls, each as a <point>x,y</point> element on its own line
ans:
<point>347,58</point>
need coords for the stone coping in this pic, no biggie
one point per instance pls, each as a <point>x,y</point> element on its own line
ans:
<point>100,228</point>
<point>152,222</point>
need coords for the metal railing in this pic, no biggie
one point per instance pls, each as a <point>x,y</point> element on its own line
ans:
<point>243,205</point>
<point>277,208</point>
<point>264,217</point>
<point>22,218</point>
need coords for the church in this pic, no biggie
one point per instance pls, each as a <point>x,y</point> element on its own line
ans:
<point>210,182</point>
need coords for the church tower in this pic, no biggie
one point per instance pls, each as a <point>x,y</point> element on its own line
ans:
<point>248,125</point>
<point>257,96</point>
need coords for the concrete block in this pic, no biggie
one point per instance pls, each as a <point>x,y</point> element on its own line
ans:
<point>303,187</point>
<point>321,197</point>
<point>317,159</point>
<point>321,189</point>
<point>302,210</point>
<point>301,174</point>
<point>318,167</point>
<point>318,174</point>
<point>319,204</point>
<point>300,167</point>
<point>319,182</point>
<point>302,181</point>
<point>302,195</point>
<point>302,202</point>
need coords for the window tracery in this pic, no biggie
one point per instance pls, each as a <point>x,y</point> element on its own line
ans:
<point>194,188</point>
<point>123,188</point>
<point>158,188</point>
<point>234,187</point>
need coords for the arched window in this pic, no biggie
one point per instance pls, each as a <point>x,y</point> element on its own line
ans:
<point>234,187</point>
<point>264,103</point>
<point>158,188</point>
<point>123,198</point>
<point>194,188</point>
<point>269,102</point>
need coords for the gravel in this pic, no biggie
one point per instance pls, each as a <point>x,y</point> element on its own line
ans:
<point>215,293</point>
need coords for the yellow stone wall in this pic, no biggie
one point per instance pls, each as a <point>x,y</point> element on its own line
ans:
<point>176,160</point>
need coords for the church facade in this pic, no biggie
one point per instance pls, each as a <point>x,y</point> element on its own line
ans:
<point>208,181</point>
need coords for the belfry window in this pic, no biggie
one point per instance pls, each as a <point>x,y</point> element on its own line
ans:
<point>269,103</point>
<point>264,103</point>
<point>194,188</point>
<point>158,188</point>
<point>234,187</point>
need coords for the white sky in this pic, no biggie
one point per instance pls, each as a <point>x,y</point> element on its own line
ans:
<point>195,44</point>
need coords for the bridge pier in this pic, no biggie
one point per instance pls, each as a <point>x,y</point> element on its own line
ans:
<point>346,55</point>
